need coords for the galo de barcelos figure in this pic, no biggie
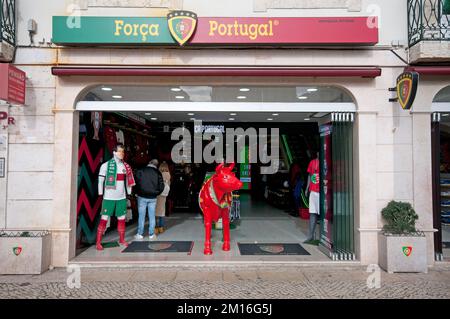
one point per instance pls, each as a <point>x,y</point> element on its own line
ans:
<point>115,181</point>
<point>215,202</point>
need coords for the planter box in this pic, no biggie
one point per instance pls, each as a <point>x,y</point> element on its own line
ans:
<point>25,255</point>
<point>402,253</point>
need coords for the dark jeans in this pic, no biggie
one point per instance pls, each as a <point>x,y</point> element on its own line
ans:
<point>159,221</point>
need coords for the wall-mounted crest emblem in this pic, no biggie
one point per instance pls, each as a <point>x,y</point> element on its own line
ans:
<point>182,25</point>
<point>407,84</point>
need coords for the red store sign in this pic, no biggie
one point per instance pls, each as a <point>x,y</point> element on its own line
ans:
<point>287,31</point>
<point>12,84</point>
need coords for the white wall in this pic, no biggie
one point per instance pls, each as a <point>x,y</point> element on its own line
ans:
<point>392,14</point>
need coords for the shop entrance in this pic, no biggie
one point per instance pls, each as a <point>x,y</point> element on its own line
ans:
<point>440,144</point>
<point>270,211</point>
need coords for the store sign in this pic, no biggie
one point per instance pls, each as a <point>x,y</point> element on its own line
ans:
<point>182,27</point>
<point>209,129</point>
<point>407,83</point>
<point>12,84</point>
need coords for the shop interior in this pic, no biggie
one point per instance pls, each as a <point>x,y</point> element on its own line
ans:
<point>269,208</point>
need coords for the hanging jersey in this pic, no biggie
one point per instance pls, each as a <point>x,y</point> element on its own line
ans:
<point>110,138</point>
<point>120,137</point>
<point>314,172</point>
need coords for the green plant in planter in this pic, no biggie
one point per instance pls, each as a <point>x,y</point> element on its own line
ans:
<point>400,218</point>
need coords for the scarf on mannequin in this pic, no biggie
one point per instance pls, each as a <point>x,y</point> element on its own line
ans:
<point>111,174</point>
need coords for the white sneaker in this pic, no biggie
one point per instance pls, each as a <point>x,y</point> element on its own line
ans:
<point>152,237</point>
<point>138,237</point>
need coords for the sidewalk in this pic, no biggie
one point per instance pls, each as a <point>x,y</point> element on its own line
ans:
<point>297,282</point>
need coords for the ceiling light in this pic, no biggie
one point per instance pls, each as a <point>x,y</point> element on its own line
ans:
<point>307,119</point>
<point>179,97</point>
<point>192,118</point>
<point>117,96</point>
<point>302,97</point>
<point>241,97</point>
<point>275,114</point>
<point>175,89</point>
<point>154,118</point>
<point>312,90</point>
<point>270,119</point>
<point>148,113</point>
<point>190,114</point>
<point>106,89</point>
<point>244,89</point>
<point>233,114</point>
<point>445,114</point>
<point>231,119</point>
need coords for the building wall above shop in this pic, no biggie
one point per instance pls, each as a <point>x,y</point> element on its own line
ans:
<point>392,14</point>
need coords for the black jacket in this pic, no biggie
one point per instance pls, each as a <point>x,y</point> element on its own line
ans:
<point>149,182</point>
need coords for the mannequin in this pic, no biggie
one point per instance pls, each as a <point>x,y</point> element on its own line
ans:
<point>114,183</point>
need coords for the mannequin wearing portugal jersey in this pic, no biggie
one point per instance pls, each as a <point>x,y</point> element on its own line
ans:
<point>114,183</point>
<point>314,196</point>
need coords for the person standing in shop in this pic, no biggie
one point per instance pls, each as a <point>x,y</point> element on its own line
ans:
<point>149,184</point>
<point>161,199</point>
<point>314,196</point>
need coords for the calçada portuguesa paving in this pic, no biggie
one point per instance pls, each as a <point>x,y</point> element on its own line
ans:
<point>237,282</point>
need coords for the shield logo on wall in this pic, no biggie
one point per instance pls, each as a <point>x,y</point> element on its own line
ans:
<point>182,25</point>
<point>17,250</point>
<point>407,83</point>
<point>407,250</point>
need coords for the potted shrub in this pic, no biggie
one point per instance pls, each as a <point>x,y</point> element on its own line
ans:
<point>24,253</point>
<point>401,247</point>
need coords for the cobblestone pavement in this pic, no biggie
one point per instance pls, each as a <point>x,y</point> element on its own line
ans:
<point>241,282</point>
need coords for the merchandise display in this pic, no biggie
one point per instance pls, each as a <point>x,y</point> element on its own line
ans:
<point>215,200</point>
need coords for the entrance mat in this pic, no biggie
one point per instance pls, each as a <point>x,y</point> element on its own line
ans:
<point>446,244</point>
<point>159,247</point>
<point>110,244</point>
<point>272,249</point>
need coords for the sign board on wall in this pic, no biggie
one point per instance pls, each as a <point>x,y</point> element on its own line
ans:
<point>185,28</point>
<point>12,84</point>
<point>2,167</point>
<point>407,83</point>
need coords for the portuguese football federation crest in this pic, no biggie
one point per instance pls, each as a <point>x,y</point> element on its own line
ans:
<point>406,89</point>
<point>407,250</point>
<point>182,25</point>
<point>17,250</point>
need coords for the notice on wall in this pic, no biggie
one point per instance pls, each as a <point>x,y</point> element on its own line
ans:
<point>2,167</point>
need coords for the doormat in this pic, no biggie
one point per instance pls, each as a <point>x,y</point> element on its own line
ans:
<point>159,247</point>
<point>272,249</point>
<point>110,244</point>
<point>446,244</point>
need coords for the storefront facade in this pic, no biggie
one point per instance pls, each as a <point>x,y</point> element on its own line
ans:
<point>391,147</point>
